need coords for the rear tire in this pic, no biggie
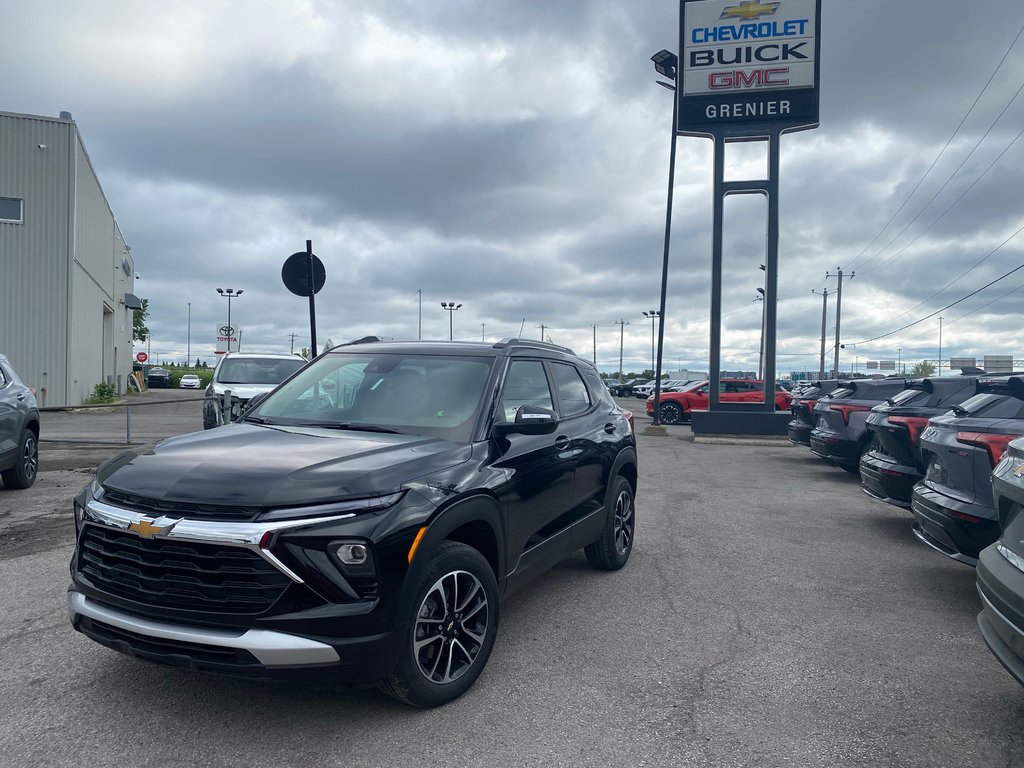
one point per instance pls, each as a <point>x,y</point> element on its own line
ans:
<point>671,413</point>
<point>611,551</point>
<point>451,632</point>
<point>23,474</point>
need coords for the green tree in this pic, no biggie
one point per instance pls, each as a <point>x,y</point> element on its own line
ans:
<point>140,332</point>
<point>922,369</point>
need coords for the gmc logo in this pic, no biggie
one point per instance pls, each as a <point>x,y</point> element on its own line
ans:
<point>757,78</point>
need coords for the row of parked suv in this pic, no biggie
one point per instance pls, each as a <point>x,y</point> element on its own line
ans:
<point>950,450</point>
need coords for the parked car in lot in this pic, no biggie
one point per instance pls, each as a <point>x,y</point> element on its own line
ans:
<point>189,381</point>
<point>802,408</point>
<point>158,377</point>
<point>894,462</point>
<point>245,374</point>
<point>953,506</point>
<point>676,407</point>
<point>361,523</point>
<point>840,430</point>
<point>1001,566</point>
<point>19,430</point>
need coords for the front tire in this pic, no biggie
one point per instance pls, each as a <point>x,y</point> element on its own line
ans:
<point>23,474</point>
<point>451,630</point>
<point>611,551</point>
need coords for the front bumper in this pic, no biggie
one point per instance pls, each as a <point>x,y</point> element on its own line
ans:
<point>937,524</point>
<point>248,652</point>
<point>1001,621</point>
<point>887,480</point>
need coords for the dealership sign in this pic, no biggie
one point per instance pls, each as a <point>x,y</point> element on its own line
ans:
<point>748,68</point>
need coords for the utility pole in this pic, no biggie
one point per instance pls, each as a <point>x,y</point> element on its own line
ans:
<point>593,327</point>
<point>188,342</point>
<point>839,311</point>
<point>622,336</point>
<point>899,360</point>
<point>419,333</point>
<point>938,367</point>
<point>824,310</point>
<point>542,329</point>
<point>483,327</point>
<point>292,335</point>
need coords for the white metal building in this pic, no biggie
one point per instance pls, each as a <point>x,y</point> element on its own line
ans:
<point>66,275</point>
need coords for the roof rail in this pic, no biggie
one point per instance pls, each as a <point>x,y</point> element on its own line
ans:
<point>533,343</point>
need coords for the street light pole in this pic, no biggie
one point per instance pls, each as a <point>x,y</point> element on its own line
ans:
<point>760,344</point>
<point>654,315</point>
<point>665,63</point>
<point>419,332</point>
<point>229,294</point>
<point>188,342</point>
<point>938,367</point>
<point>450,307</point>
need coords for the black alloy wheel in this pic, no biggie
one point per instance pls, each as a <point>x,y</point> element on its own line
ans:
<point>23,474</point>
<point>611,551</point>
<point>452,631</point>
<point>671,413</point>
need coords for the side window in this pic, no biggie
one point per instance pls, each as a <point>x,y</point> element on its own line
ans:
<point>525,384</point>
<point>572,392</point>
<point>3,379</point>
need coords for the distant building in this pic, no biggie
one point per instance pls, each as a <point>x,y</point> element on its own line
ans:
<point>67,278</point>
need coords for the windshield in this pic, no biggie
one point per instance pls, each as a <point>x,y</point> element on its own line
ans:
<point>255,370</point>
<point>413,394</point>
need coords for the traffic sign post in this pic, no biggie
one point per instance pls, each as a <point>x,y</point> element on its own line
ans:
<point>304,275</point>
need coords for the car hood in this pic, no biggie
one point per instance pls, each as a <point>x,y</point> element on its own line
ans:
<point>242,391</point>
<point>274,466</point>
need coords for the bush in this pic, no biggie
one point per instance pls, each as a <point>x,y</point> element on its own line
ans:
<point>102,393</point>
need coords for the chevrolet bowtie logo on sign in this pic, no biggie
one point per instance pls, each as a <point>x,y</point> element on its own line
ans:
<point>750,9</point>
<point>147,530</point>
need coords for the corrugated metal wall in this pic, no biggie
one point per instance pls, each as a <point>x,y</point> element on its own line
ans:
<point>34,254</point>
<point>63,321</point>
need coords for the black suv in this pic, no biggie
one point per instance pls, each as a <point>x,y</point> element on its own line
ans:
<point>895,461</point>
<point>802,408</point>
<point>363,521</point>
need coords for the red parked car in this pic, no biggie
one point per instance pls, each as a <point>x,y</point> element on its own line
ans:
<point>676,406</point>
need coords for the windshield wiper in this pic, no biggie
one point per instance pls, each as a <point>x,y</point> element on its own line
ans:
<point>258,420</point>
<point>357,427</point>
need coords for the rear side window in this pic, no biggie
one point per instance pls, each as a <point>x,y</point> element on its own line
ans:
<point>572,392</point>
<point>956,396</point>
<point>994,406</point>
<point>909,397</point>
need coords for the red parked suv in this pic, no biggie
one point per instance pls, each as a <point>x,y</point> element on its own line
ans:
<point>676,406</point>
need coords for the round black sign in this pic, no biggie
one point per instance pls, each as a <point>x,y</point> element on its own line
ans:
<point>295,276</point>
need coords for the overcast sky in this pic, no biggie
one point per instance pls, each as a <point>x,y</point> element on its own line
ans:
<point>512,155</point>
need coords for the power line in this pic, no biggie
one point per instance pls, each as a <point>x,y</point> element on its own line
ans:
<point>948,306</point>
<point>944,147</point>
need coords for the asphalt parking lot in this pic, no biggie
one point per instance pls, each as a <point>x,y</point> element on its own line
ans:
<point>771,615</point>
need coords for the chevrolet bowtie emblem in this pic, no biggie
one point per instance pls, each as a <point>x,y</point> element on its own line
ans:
<point>147,530</point>
<point>1019,470</point>
<point>750,9</point>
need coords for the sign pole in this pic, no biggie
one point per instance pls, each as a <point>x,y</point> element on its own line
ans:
<point>312,299</point>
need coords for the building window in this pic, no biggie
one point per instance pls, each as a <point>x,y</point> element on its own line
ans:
<point>11,209</point>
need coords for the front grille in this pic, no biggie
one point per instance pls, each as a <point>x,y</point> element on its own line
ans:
<point>177,653</point>
<point>190,576</point>
<point>159,508</point>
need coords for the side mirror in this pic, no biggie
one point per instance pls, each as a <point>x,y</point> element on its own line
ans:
<point>530,420</point>
<point>255,401</point>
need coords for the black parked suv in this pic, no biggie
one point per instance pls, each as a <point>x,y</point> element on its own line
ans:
<point>953,507</point>
<point>840,433</point>
<point>802,408</point>
<point>363,521</point>
<point>1001,566</point>
<point>895,463</point>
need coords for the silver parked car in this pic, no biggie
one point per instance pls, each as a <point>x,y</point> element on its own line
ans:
<point>19,430</point>
<point>246,375</point>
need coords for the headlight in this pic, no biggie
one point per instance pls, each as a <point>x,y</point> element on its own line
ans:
<point>92,491</point>
<point>354,506</point>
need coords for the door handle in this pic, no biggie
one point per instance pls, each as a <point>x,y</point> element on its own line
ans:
<point>609,428</point>
<point>21,397</point>
<point>561,442</point>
